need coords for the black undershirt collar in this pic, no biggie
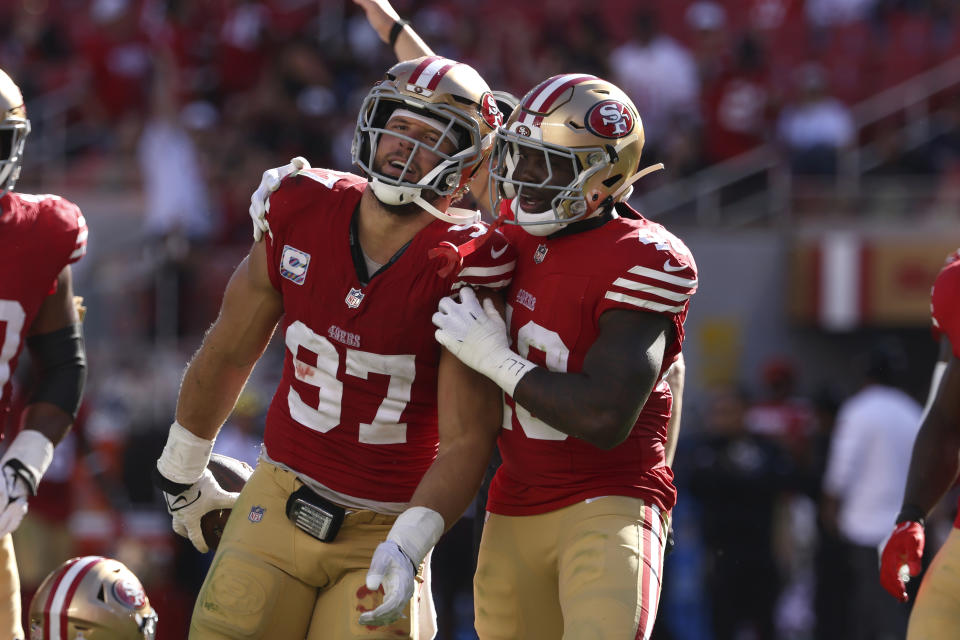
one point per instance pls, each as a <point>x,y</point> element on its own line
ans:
<point>356,252</point>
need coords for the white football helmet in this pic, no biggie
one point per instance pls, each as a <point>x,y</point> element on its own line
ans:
<point>13,132</point>
<point>447,92</point>
<point>570,150</point>
<point>92,598</point>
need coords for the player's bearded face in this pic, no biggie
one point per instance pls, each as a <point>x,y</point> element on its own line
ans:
<point>394,151</point>
<point>541,167</point>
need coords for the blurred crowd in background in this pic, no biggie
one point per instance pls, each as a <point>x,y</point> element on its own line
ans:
<point>175,107</point>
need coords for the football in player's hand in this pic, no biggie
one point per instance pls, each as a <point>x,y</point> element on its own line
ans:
<point>231,474</point>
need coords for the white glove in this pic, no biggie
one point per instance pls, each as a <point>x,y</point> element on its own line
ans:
<point>394,564</point>
<point>24,463</point>
<point>260,200</point>
<point>203,496</point>
<point>478,337</point>
<point>391,568</point>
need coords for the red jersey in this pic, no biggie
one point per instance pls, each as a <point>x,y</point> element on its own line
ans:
<point>945,310</point>
<point>945,302</point>
<point>39,236</point>
<point>356,409</point>
<point>561,288</point>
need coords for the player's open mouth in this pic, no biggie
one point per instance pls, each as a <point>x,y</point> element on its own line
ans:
<point>394,168</point>
<point>533,203</point>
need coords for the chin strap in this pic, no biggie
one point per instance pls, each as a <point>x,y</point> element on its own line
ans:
<point>639,174</point>
<point>453,255</point>
<point>453,215</point>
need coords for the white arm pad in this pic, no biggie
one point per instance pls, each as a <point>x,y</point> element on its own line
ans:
<point>185,456</point>
<point>416,531</point>
<point>33,449</point>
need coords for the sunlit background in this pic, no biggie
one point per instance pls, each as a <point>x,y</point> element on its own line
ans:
<point>813,167</point>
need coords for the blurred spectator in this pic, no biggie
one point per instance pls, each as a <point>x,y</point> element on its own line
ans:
<point>659,74</point>
<point>738,478</point>
<point>863,487</point>
<point>781,414</point>
<point>170,166</point>
<point>825,13</point>
<point>737,104</point>
<point>707,22</point>
<point>816,126</point>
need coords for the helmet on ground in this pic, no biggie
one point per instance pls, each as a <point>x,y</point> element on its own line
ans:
<point>92,598</point>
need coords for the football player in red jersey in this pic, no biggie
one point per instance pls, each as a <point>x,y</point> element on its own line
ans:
<point>934,467</point>
<point>374,432</point>
<point>578,513</point>
<point>40,237</point>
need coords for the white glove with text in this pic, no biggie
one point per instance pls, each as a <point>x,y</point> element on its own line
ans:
<point>478,337</point>
<point>260,200</point>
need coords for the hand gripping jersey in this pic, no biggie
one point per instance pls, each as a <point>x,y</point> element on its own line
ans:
<point>356,409</point>
<point>39,236</point>
<point>562,286</point>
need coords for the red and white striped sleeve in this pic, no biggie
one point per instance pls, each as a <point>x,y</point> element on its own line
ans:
<point>489,267</point>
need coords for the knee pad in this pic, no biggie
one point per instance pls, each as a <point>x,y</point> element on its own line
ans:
<point>244,597</point>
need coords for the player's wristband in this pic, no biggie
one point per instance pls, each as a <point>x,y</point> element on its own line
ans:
<point>912,513</point>
<point>395,31</point>
<point>185,456</point>
<point>416,531</point>
<point>30,454</point>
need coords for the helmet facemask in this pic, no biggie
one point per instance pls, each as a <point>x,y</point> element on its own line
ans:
<point>13,134</point>
<point>452,170</point>
<point>526,170</point>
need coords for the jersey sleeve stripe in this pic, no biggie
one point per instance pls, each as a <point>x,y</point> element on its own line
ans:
<point>495,284</point>
<point>644,287</point>
<point>82,236</point>
<point>643,304</point>
<point>482,272</point>
<point>78,253</point>
<point>665,277</point>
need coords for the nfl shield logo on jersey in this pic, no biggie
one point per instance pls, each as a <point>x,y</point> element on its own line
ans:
<point>256,513</point>
<point>540,254</point>
<point>354,298</point>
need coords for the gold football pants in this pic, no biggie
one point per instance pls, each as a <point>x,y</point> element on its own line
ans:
<point>936,613</point>
<point>10,625</point>
<point>587,571</point>
<point>269,579</point>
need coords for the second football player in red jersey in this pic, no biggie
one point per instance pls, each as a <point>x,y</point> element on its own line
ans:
<point>374,431</point>
<point>40,237</point>
<point>934,468</point>
<point>574,543</point>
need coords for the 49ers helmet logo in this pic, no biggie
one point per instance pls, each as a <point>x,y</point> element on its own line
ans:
<point>129,593</point>
<point>610,119</point>
<point>489,111</point>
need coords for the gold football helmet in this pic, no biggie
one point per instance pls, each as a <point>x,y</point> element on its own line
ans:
<point>447,94</point>
<point>92,598</point>
<point>570,150</point>
<point>13,132</point>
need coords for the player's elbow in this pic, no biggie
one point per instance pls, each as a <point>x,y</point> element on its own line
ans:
<point>610,429</point>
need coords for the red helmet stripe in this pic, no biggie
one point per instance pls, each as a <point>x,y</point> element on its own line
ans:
<point>55,620</point>
<point>430,71</point>
<point>439,73</point>
<point>543,97</point>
